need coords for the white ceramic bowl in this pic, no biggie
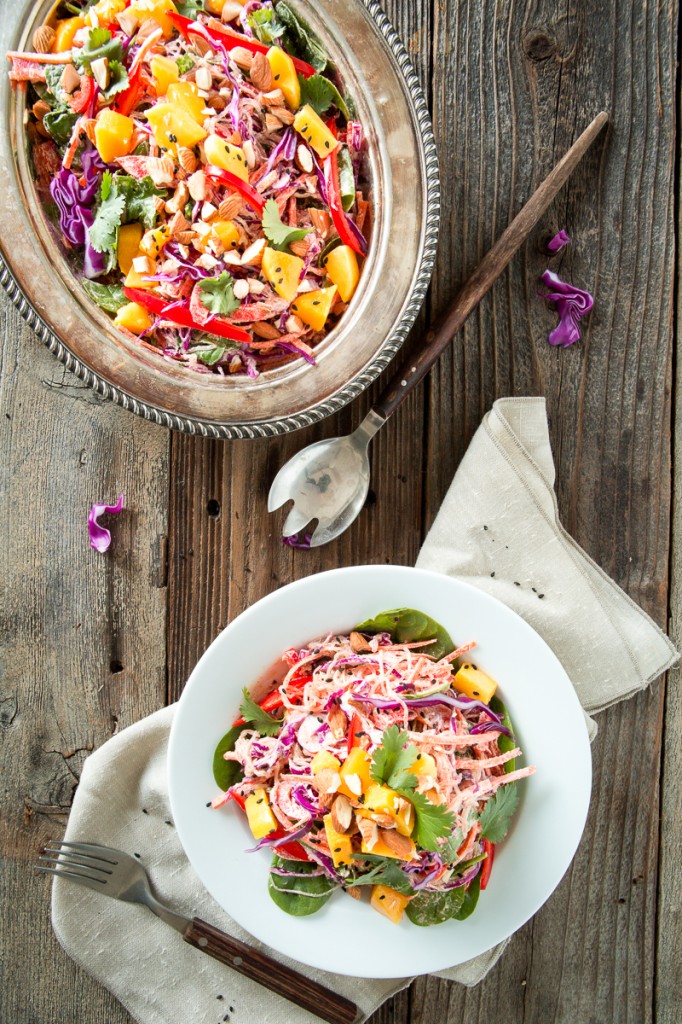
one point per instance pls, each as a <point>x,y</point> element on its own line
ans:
<point>347,936</point>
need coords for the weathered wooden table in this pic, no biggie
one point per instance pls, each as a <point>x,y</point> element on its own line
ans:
<point>93,643</point>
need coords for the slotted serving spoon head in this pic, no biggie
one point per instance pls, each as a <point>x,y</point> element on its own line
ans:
<point>327,481</point>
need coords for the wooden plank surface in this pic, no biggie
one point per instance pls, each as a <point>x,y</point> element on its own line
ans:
<point>511,85</point>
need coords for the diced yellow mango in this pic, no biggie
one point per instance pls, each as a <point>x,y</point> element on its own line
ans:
<point>323,759</point>
<point>357,763</point>
<point>158,10</point>
<point>283,272</point>
<point>133,317</point>
<point>186,96</point>
<point>313,129</point>
<point>383,800</point>
<point>224,154</point>
<point>164,72</point>
<point>342,268</point>
<point>65,31</point>
<point>284,74</point>
<point>313,307</point>
<point>105,12</point>
<point>129,238</point>
<point>389,902</point>
<point>380,849</point>
<point>216,6</point>
<point>341,845</point>
<point>424,764</point>
<point>227,233</point>
<point>473,682</point>
<point>136,280</point>
<point>260,817</point>
<point>404,817</point>
<point>173,126</point>
<point>379,799</point>
<point>154,240</point>
<point>113,135</point>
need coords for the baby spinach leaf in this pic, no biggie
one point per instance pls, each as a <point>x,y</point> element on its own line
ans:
<point>304,893</point>
<point>227,773</point>
<point>473,891</point>
<point>448,849</point>
<point>60,124</point>
<point>385,872</point>
<point>505,743</point>
<point>429,908</point>
<point>497,813</point>
<point>298,39</point>
<point>109,297</point>
<point>189,8</point>
<point>406,625</point>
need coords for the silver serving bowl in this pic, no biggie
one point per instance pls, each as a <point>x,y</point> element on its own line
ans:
<point>403,168</point>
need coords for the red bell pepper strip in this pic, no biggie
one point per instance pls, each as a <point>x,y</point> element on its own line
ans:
<point>80,100</point>
<point>274,700</point>
<point>294,850</point>
<point>181,315</point>
<point>239,800</point>
<point>353,739</point>
<point>331,177</point>
<point>253,198</point>
<point>224,37</point>
<point>489,849</point>
<point>130,97</point>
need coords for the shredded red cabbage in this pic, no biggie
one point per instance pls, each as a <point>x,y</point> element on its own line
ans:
<point>571,304</point>
<point>100,537</point>
<point>296,541</point>
<point>558,242</point>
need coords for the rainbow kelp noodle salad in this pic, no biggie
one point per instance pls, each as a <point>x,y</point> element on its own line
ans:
<point>383,762</point>
<point>205,171</point>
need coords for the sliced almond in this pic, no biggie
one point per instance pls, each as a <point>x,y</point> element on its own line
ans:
<point>141,265</point>
<point>206,261</point>
<point>384,820</point>
<point>242,57</point>
<point>159,203</point>
<point>358,643</point>
<point>354,783</point>
<point>321,222</point>
<point>208,210</point>
<point>197,186</point>
<point>273,98</point>
<point>179,199</point>
<point>253,256</point>
<point>40,108</point>
<point>260,72</point>
<point>202,47</point>
<point>272,123</point>
<point>282,114</point>
<point>187,159</point>
<point>369,832</point>
<point>70,80</point>
<point>184,237</point>
<point>232,258</point>
<point>203,77</point>
<point>43,38</point>
<point>147,29</point>
<point>401,846</point>
<point>178,223</point>
<point>256,287</point>
<point>128,21</point>
<point>231,10</point>
<point>338,723</point>
<point>342,813</point>
<point>249,153</point>
<point>101,73</point>
<point>327,781</point>
<point>241,288</point>
<point>355,891</point>
<point>161,170</point>
<point>268,332</point>
<point>230,207</point>
<point>304,159</point>
<point>299,247</point>
<point>216,102</point>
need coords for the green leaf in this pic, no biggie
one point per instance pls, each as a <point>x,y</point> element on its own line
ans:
<point>346,178</point>
<point>105,185</point>
<point>391,760</point>
<point>60,124</point>
<point>217,294</point>
<point>98,44</point>
<point>319,93</point>
<point>185,62</point>
<point>104,231</point>
<point>278,234</point>
<point>260,720</point>
<point>429,908</point>
<point>433,821</point>
<point>211,356</point>
<point>505,743</point>
<point>118,79</point>
<point>298,39</point>
<point>386,872</point>
<point>109,297</point>
<point>266,25</point>
<point>497,814</point>
<point>227,773</point>
<point>139,198</point>
<point>473,891</point>
<point>448,849</point>
<point>406,625</point>
<point>301,895</point>
<point>189,8</point>
<point>53,79</point>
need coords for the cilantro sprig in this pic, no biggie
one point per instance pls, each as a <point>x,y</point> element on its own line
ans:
<point>264,723</point>
<point>497,814</point>
<point>217,294</point>
<point>278,234</point>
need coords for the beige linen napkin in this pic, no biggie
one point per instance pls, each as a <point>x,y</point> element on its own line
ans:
<point>499,529</point>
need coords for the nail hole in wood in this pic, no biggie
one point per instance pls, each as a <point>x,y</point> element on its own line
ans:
<point>115,666</point>
<point>213,508</point>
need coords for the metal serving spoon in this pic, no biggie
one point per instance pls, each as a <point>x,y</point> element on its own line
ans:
<point>328,481</point>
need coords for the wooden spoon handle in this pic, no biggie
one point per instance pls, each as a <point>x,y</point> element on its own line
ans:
<point>271,973</point>
<point>486,273</point>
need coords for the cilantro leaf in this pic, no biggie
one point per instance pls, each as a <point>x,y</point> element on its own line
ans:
<point>266,25</point>
<point>118,79</point>
<point>393,759</point>
<point>497,814</point>
<point>189,8</point>
<point>386,872</point>
<point>109,297</point>
<point>185,63</point>
<point>264,723</point>
<point>217,294</point>
<point>105,185</point>
<point>319,93</point>
<point>433,821</point>
<point>140,198</point>
<point>98,44</point>
<point>278,234</point>
<point>448,849</point>
<point>104,230</point>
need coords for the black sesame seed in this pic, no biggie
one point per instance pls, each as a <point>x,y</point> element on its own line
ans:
<point>138,855</point>
<point>382,897</point>
<point>492,573</point>
<point>208,804</point>
<point>485,527</point>
<point>516,584</point>
<point>316,302</point>
<point>145,811</point>
<point>167,822</point>
<point>541,595</point>
<point>277,78</point>
<point>278,270</point>
<point>173,138</point>
<point>220,997</point>
<point>326,145</point>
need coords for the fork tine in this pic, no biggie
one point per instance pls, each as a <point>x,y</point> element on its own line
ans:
<point>85,849</point>
<point>72,861</point>
<point>295,522</point>
<point>87,880</point>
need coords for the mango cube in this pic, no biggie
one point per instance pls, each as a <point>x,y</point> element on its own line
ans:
<point>475,683</point>
<point>105,11</point>
<point>223,154</point>
<point>113,135</point>
<point>164,72</point>
<point>323,759</point>
<point>342,269</point>
<point>312,128</point>
<point>128,247</point>
<point>154,240</point>
<point>259,815</point>
<point>341,845</point>
<point>356,766</point>
<point>424,764</point>
<point>383,800</point>
<point>158,10</point>
<point>284,74</point>
<point>136,280</point>
<point>226,232</point>
<point>389,902</point>
<point>283,272</point>
<point>174,126</point>
<point>313,307</point>
<point>186,96</point>
<point>65,31</point>
<point>133,317</point>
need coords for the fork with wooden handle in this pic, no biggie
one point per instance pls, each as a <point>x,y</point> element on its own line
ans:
<point>119,875</point>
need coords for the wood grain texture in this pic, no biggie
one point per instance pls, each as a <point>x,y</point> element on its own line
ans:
<point>82,639</point>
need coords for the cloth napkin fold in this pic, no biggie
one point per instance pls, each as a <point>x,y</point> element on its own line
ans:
<point>498,528</point>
